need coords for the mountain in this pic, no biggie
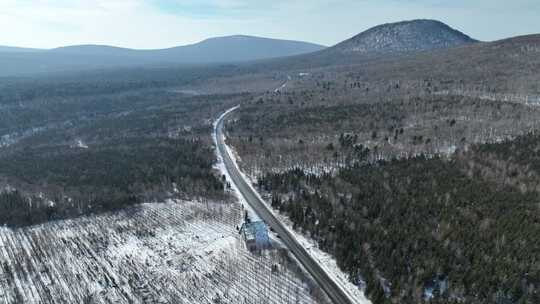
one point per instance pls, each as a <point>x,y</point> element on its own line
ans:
<point>382,42</point>
<point>505,66</point>
<point>239,48</point>
<point>93,50</point>
<point>405,36</point>
<point>221,49</point>
<point>215,50</point>
<point>11,49</point>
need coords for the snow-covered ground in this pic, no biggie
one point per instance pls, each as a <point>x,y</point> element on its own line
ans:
<point>80,144</point>
<point>530,100</point>
<point>220,166</point>
<point>7,140</point>
<point>326,261</point>
<point>12,138</point>
<point>174,252</point>
<point>284,85</point>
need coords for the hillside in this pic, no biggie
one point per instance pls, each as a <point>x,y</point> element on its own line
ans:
<point>505,66</point>
<point>406,36</point>
<point>393,41</point>
<point>220,49</point>
<point>84,57</point>
<point>365,155</point>
<point>488,89</point>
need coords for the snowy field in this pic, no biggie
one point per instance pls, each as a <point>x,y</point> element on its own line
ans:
<point>174,252</point>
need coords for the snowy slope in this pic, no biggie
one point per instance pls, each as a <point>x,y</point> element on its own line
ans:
<point>406,36</point>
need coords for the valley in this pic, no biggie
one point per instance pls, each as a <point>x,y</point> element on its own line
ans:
<point>404,157</point>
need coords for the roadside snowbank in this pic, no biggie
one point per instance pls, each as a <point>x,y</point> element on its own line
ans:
<point>328,263</point>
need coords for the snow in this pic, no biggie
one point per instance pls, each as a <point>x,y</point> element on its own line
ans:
<point>529,100</point>
<point>447,150</point>
<point>330,266</point>
<point>220,166</point>
<point>8,189</point>
<point>405,36</point>
<point>13,138</point>
<point>328,263</point>
<point>80,144</point>
<point>175,188</point>
<point>172,252</point>
<point>284,85</point>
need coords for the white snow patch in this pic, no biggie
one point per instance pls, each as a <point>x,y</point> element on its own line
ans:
<point>220,166</point>
<point>179,251</point>
<point>79,144</point>
<point>328,263</point>
<point>284,85</point>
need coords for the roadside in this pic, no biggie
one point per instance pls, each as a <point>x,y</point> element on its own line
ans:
<point>327,263</point>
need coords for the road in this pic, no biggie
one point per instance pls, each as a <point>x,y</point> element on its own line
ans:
<point>332,289</point>
<point>289,78</point>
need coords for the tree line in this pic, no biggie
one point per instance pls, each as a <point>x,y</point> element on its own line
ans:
<point>401,225</point>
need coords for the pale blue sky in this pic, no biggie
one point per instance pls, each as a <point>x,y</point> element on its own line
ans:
<point>165,23</point>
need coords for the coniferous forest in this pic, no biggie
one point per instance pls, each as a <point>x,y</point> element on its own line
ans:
<point>422,228</point>
<point>104,145</point>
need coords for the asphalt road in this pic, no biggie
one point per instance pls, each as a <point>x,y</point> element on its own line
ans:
<point>332,289</point>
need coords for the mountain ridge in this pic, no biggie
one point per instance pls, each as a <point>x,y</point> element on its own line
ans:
<point>16,49</point>
<point>228,49</point>
<point>88,48</point>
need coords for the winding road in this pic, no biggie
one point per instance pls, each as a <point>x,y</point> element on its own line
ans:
<point>337,294</point>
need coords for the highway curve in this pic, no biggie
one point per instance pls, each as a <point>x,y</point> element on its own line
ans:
<point>332,289</point>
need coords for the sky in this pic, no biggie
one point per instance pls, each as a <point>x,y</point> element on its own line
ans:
<point>147,24</point>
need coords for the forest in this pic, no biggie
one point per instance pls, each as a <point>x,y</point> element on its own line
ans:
<point>79,146</point>
<point>419,229</point>
<point>304,127</point>
<point>109,177</point>
<point>419,174</point>
<point>109,193</point>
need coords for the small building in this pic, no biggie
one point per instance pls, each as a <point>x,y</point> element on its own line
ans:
<point>255,235</point>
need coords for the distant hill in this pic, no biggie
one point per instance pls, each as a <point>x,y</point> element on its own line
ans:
<point>94,50</point>
<point>386,41</point>
<point>406,36</point>
<point>11,49</point>
<point>240,48</point>
<point>505,66</point>
<point>508,65</point>
<point>215,50</point>
<point>221,49</point>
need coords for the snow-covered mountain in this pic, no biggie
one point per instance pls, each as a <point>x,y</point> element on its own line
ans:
<point>405,36</point>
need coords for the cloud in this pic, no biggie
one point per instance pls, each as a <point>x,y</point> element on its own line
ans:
<point>135,23</point>
<point>164,23</point>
